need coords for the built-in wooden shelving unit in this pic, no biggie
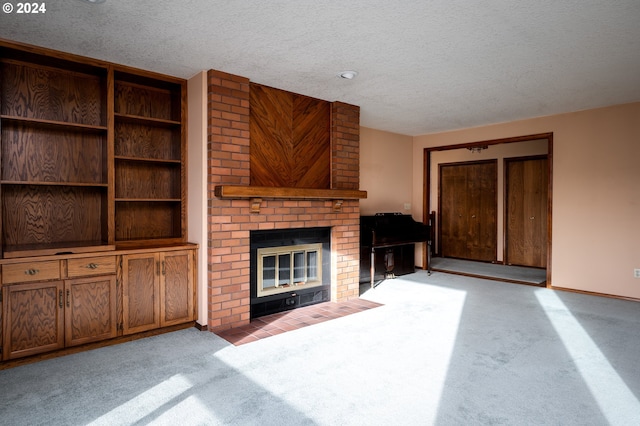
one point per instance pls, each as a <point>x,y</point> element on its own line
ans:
<point>92,154</point>
<point>92,202</point>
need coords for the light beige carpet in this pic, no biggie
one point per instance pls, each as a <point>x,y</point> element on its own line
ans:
<point>443,350</point>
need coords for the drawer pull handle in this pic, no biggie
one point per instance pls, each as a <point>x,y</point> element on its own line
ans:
<point>31,271</point>
<point>92,266</point>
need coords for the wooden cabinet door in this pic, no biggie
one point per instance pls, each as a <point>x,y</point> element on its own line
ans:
<point>468,210</point>
<point>526,216</point>
<point>176,287</point>
<point>90,309</point>
<point>33,318</point>
<point>140,292</point>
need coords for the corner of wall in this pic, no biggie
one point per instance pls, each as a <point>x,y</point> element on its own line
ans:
<point>197,183</point>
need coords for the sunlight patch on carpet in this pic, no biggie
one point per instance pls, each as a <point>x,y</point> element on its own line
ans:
<point>148,403</point>
<point>616,401</point>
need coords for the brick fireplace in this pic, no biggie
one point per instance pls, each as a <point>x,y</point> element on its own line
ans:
<point>230,221</point>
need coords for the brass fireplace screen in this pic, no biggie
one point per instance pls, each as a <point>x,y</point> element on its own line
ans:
<point>286,268</point>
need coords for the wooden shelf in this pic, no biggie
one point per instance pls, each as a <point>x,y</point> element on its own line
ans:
<point>146,120</point>
<point>256,193</point>
<point>40,183</point>
<point>147,200</point>
<point>92,160</point>
<point>148,160</point>
<point>237,191</point>
<point>31,250</point>
<point>63,125</point>
<point>90,152</point>
<point>149,166</point>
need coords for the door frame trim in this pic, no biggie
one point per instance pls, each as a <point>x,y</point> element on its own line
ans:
<point>426,206</point>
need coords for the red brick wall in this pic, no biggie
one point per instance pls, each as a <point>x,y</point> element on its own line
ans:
<point>230,221</point>
<point>345,150</point>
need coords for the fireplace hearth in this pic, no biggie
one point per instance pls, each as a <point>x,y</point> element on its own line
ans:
<point>289,268</point>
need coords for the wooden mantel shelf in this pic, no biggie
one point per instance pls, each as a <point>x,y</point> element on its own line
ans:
<point>256,193</point>
<point>241,191</point>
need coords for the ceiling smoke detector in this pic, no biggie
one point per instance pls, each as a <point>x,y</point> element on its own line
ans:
<point>348,75</point>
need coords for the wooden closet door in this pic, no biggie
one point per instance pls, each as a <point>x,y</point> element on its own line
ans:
<point>468,207</point>
<point>482,180</point>
<point>453,211</point>
<point>526,216</point>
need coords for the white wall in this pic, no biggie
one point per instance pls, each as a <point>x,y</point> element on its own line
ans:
<point>385,171</point>
<point>596,193</point>
<point>197,182</point>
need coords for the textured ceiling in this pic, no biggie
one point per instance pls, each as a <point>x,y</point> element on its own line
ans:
<point>425,65</point>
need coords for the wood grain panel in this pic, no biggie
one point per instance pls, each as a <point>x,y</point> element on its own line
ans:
<point>90,313</point>
<point>142,220</point>
<point>36,154</point>
<point>144,101</point>
<point>177,286</point>
<point>482,237</point>
<point>453,212</point>
<point>31,271</point>
<point>147,180</point>
<point>51,214</point>
<point>290,139</point>
<point>100,265</point>
<point>149,143</point>
<point>468,210</point>
<point>141,301</point>
<point>50,94</point>
<point>526,212</point>
<point>33,321</point>
<point>142,141</point>
<point>270,129</point>
<point>240,191</point>
<point>311,148</point>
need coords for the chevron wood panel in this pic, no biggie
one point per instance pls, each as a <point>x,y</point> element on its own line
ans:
<point>290,139</point>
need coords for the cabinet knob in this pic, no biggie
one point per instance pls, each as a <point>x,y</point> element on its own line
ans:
<point>532,217</point>
<point>92,266</point>
<point>31,271</point>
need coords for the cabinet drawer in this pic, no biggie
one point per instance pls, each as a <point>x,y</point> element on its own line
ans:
<point>91,266</point>
<point>31,271</point>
